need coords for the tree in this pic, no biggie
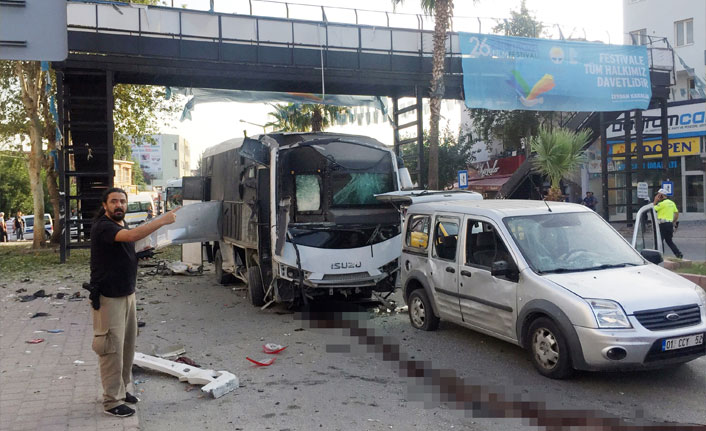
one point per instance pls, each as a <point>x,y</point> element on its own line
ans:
<point>15,194</point>
<point>453,156</point>
<point>510,127</point>
<point>303,117</point>
<point>442,11</point>
<point>558,153</point>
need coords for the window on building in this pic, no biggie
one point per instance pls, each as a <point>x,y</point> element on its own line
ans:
<point>684,31</point>
<point>175,146</point>
<point>691,88</point>
<point>639,37</point>
<point>176,163</point>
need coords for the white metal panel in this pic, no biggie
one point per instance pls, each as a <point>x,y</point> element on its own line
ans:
<point>33,30</point>
<point>428,42</point>
<point>342,36</point>
<point>455,44</point>
<point>240,28</point>
<point>118,17</point>
<point>275,31</point>
<point>310,34</point>
<point>160,21</point>
<point>81,14</point>
<point>199,24</point>
<point>375,38</point>
<point>405,40</point>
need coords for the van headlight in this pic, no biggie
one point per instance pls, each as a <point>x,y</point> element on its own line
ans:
<point>609,314</point>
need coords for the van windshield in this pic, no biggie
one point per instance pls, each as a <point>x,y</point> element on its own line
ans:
<point>570,242</point>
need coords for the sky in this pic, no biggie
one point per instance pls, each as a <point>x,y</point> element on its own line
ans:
<point>213,123</point>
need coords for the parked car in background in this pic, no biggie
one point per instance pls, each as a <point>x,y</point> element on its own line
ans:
<point>29,227</point>
<point>554,278</point>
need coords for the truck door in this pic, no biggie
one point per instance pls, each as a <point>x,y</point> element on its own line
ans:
<point>487,301</point>
<point>443,265</point>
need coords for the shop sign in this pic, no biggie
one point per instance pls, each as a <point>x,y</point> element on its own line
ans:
<point>686,120</point>
<point>504,166</point>
<point>653,149</point>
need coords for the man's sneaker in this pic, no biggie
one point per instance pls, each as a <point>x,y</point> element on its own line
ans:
<point>121,411</point>
<point>130,398</point>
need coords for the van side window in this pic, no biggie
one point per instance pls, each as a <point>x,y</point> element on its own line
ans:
<point>445,239</point>
<point>418,232</point>
<point>484,246</point>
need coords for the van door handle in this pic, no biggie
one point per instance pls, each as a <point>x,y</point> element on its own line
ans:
<point>450,269</point>
<point>466,273</point>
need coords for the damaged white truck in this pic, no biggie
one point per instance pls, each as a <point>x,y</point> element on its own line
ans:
<point>299,215</point>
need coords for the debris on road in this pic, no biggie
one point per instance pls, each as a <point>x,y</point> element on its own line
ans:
<point>40,294</point>
<point>217,383</point>
<point>21,290</point>
<point>262,363</point>
<point>170,351</point>
<point>79,362</point>
<point>35,341</point>
<point>40,314</point>
<point>141,324</point>
<point>188,361</point>
<point>54,331</point>
<point>272,349</point>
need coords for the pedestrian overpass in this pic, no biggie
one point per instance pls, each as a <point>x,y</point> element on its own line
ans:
<point>116,43</point>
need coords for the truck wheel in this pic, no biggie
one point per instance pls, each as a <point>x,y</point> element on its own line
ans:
<point>421,315</point>
<point>256,291</point>
<point>222,276</point>
<point>549,350</point>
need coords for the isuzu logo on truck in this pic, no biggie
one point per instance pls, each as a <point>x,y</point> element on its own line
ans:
<point>346,265</point>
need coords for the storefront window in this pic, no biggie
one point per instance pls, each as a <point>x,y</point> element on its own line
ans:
<point>695,193</point>
<point>693,163</point>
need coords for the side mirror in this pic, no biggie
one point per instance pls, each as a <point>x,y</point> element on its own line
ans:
<point>502,268</point>
<point>653,256</point>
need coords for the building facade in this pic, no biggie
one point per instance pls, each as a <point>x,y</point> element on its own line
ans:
<point>169,158</point>
<point>683,23</point>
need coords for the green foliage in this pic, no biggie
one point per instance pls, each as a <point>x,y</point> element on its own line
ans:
<point>453,156</point>
<point>138,177</point>
<point>15,194</point>
<point>303,117</point>
<point>510,127</point>
<point>558,152</point>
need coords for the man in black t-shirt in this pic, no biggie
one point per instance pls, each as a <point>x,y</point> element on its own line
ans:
<point>113,275</point>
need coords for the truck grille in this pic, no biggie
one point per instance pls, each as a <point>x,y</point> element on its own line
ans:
<point>656,320</point>
<point>355,276</point>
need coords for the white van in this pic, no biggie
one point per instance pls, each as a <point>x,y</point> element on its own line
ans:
<point>554,278</point>
<point>140,207</point>
<point>29,227</point>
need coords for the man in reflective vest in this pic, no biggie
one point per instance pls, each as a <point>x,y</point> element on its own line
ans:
<point>667,216</point>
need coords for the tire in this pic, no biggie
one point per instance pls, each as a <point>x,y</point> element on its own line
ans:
<point>421,314</point>
<point>256,291</point>
<point>221,276</point>
<point>549,350</point>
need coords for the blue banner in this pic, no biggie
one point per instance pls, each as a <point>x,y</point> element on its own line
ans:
<point>509,73</point>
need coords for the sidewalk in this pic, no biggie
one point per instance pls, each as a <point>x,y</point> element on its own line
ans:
<point>41,385</point>
<point>690,238</point>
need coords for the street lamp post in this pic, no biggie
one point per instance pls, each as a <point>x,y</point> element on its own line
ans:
<point>264,127</point>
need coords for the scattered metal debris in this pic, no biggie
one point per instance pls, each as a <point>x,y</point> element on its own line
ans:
<point>35,341</point>
<point>40,314</point>
<point>170,351</point>
<point>262,363</point>
<point>272,349</point>
<point>217,383</point>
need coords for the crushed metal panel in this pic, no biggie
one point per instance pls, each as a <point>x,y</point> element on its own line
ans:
<point>217,383</point>
<point>199,222</point>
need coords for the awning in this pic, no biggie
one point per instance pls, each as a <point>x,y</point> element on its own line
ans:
<point>487,184</point>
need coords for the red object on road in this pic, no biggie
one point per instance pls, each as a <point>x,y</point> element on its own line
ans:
<point>272,349</point>
<point>263,363</point>
<point>35,341</point>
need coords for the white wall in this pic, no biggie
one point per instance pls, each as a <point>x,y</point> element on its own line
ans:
<point>658,17</point>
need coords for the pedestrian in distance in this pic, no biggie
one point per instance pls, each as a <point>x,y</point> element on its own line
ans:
<point>19,226</point>
<point>590,201</point>
<point>3,228</point>
<point>667,217</point>
<point>113,279</point>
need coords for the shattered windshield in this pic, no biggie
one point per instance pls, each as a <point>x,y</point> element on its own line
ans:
<point>358,188</point>
<point>308,189</point>
<point>570,242</point>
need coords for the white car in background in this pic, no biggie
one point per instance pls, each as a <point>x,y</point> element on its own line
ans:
<point>29,227</point>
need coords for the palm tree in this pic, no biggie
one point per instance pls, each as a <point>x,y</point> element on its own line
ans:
<point>303,118</point>
<point>442,11</point>
<point>558,153</point>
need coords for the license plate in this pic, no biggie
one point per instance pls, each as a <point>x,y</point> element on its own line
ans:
<point>682,342</point>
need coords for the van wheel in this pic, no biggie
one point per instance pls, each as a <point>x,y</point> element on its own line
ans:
<point>222,276</point>
<point>421,315</point>
<point>549,350</point>
<point>255,288</point>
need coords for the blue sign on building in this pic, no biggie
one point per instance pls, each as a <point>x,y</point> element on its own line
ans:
<point>463,179</point>
<point>509,73</point>
<point>668,187</point>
